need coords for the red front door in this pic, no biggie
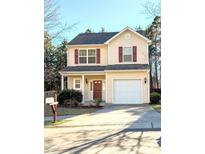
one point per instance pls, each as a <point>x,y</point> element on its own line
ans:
<point>97,89</point>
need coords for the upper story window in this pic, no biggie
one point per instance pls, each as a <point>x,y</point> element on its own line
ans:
<point>91,56</point>
<point>87,56</point>
<point>127,54</point>
<point>82,56</point>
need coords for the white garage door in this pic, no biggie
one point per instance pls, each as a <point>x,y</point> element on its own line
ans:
<point>127,92</point>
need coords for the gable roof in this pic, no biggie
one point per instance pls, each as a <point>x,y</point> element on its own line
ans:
<point>132,30</point>
<point>92,38</point>
<point>102,38</point>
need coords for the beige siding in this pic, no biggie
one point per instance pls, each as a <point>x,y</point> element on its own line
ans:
<point>71,54</point>
<point>109,53</point>
<point>134,40</point>
<point>87,92</point>
<point>127,75</point>
<point>109,56</point>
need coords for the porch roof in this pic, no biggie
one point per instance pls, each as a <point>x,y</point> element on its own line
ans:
<point>105,68</point>
<point>83,68</point>
<point>127,67</point>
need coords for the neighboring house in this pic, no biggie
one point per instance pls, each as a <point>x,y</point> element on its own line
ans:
<point>113,66</point>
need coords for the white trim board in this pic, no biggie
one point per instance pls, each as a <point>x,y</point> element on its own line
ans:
<point>83,73</point>
<point>101,72</point>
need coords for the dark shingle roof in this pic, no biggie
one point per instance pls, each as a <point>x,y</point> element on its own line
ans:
<point>92,38</point>
<point>142,32</point>
<point>108,67</point>
<point>127,67</point>
<point>84,68</point>
<point>95,38</point>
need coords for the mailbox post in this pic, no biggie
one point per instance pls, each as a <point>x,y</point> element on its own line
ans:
<point>50,101</point>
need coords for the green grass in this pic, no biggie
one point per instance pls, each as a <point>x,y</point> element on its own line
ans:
<point>157,107</point>
<point>68,111</point>
<point>50,123</point>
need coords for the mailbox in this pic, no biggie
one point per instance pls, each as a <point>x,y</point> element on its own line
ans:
<point>50,99</point>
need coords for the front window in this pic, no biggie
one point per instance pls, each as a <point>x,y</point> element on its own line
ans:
<point>77,84</point>
<point>91,56</point>
<point>87,56</point>
<point>82,56</point>
<point>127,54</point>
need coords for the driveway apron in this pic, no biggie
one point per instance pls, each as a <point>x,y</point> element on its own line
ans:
<point>116,128</point>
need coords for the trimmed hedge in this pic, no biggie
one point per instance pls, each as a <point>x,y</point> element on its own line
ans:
<point>155,97</point>
<point>70,97</point>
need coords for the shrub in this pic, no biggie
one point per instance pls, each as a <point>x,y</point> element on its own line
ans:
<point>98,102</point>
<point>155,97</point>
<point>70,97</point>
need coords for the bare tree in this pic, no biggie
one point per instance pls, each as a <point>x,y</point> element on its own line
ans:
<point>151,9</point>
<point>53,21</point>
<point>51,15</point>
<point>154,34</point>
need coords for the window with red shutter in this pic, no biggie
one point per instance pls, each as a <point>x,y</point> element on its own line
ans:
<point>120,54</point>
<point>134,53</point>
<point>98,56</point>
<point>76,56</point>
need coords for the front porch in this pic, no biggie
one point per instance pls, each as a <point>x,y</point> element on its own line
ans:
<point>92,86</point>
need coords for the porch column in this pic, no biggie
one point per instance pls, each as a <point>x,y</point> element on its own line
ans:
<point>106,88</point>
<point>62,82</point>
<point>83,82</point>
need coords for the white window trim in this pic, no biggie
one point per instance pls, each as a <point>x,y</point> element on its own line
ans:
<point>87,56</point>
<point>92,56</point>
<point>82,56</point>
<point>74,81</point>
<point>123,55</point>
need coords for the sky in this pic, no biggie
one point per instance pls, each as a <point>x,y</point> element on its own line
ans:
<point>113,15</point>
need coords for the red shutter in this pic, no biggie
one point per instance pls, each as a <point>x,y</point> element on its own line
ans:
<point>120,54</point>
<point>98,56</point>
<point>134,53</point>
<point>76,56</point>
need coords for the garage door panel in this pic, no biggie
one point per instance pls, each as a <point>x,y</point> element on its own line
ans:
<point>127,92</point>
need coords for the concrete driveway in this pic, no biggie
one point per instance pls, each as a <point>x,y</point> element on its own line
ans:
<point>114,129</point>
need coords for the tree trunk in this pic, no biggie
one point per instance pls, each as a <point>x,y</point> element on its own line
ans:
<point>151,81</point>
<point>156,72</point>
<point>150,73</point>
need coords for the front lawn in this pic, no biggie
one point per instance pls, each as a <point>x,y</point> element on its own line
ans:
<point>68,111</point>
<point>50,123</point>
<point>157,107</point>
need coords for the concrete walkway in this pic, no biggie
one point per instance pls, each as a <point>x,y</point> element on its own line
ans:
<point>114,129</point>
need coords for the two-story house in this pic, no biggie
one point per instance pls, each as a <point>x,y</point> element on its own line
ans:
<point>113,66</point>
